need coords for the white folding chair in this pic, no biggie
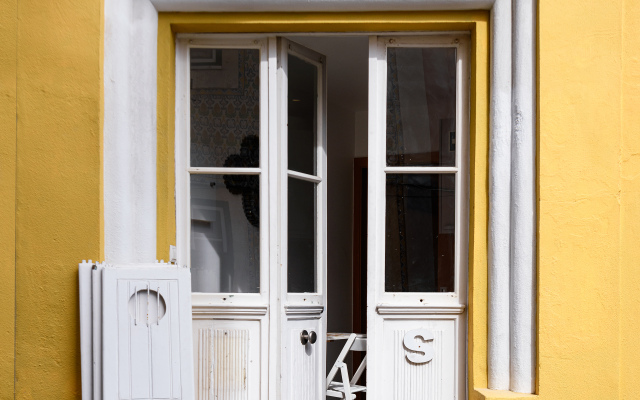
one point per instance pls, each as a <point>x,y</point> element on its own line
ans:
<point>347,388</point>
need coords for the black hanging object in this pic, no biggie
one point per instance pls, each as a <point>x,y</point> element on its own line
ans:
<point>246,185</point>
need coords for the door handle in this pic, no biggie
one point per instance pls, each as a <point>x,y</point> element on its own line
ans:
<point>308,337</point>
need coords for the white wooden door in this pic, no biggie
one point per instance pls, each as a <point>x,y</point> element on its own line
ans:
<point>222,208</point>
<point>300,271</point>
<point>251,207</point>
<point>417,237</point>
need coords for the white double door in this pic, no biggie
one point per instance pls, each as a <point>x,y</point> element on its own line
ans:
<point>273,344</point>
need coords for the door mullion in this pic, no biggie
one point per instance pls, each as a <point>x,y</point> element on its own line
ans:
<point>273,341</point>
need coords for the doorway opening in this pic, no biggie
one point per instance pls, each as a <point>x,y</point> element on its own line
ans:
<point>423,192</point>
<point>326,128</point>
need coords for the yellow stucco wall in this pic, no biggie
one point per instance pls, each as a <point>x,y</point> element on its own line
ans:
<point>51,101</point>
<point>7,192</point>
<point>589,181</point>
<point>630,204</point>
<point>580,137</point>
<point>589,191</point>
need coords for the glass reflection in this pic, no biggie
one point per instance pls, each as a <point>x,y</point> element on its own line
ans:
<point>301,249</point>
<point>225,104</point>
<point>420,233</point>
<point>302,101</point>
<point>421,106</point>
<point>225,234</point>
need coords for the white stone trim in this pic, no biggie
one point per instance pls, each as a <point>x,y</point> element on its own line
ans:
<point>318,5</point>
<point>296,309</point>
<point>393,309</point>
<point>499,195</point>
<point>200,311</point>
<point>523,203</point>
<point>130,61</point>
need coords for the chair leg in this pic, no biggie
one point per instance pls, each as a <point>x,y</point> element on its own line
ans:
<point>341,357</point>
<point>359,371</point>
<point>345,381</point>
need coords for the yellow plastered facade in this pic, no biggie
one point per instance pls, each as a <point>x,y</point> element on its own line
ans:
<point>588,309</point>
<point>51,197</point>
<point>8,33</point>
<point>588,184</point>
<point>630,202</point>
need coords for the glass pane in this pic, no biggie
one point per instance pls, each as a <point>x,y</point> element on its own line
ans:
<point>225,107</point>
<point>420,233</point>
<point>301,232</point>
<point>421,106</point>
<point>225,234</point>
<point>302,95</point>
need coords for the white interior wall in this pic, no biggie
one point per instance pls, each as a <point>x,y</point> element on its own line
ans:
<point>347,67</point>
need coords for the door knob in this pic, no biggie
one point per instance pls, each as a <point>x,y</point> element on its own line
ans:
<point>306,337</point>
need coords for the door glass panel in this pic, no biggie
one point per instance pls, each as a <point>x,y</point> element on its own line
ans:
<point>420,233</point>
<point>301,253</point>
<point>302,95</point>
<point>421,106</point>
<point>225,107</point>
<point>225,234</point>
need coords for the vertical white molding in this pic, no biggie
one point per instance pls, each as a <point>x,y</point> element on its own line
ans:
<point>274,199</point>
<point>375,216</point>
<point>499,195</point>
<point>118,198</point>
<point>143,80</point>
<point>130,63</point>
<point>523,200</point>
<point>86,328</point>
<point>181,152</point>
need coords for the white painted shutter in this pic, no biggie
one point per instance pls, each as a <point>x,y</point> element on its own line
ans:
<point>141,342</point>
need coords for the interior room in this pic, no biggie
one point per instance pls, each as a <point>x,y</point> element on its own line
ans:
<point>347,89</point>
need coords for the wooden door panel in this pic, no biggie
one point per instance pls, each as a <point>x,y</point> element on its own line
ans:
<point>304,361</point>
<point>433,379</point>
<point>227,359</point>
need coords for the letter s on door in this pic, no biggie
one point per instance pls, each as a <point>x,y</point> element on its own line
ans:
<point>420,351</point>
